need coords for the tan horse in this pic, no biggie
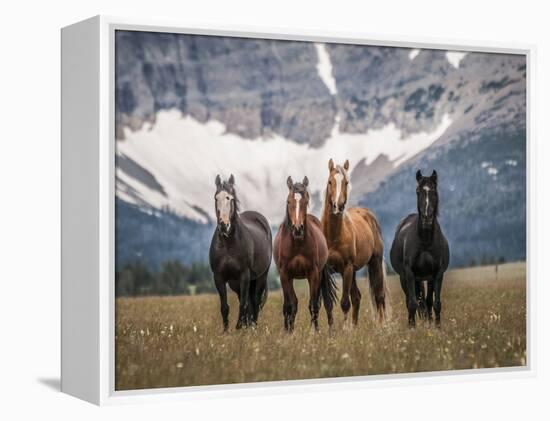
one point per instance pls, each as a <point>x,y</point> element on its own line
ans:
<point>354,239</point>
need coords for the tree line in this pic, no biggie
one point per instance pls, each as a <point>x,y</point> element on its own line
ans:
<point>173,278</point>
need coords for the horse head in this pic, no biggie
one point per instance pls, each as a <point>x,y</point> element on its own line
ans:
<point>226,203</point>
<point>296,208</point>
<point>427,198</point>
<point>338,186</point>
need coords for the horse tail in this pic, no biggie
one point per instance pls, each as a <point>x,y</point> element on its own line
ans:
<point>387,302</point>
<point>378,288</point>
<point>264,297</point>
<point>328,287</point>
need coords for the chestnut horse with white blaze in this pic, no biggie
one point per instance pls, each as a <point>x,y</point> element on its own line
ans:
<point>300,251</point>
<point>354,239</point>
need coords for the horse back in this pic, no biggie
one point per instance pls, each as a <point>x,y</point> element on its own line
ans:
<point>396,251</point>
<point>260,234</point>
<point>405,221</point>
<point>314,220</point>
<point>319,238</point>
<point>368,236</point>
<point>444,247</point>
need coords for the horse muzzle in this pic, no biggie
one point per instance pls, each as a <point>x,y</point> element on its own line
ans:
<point>224,228</point>
<point>426,221</point>
<point>298,231</point>
<point>338,208</point>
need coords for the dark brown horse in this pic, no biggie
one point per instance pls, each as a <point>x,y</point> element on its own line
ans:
<point>240,255</point>
<point>300,251</point>
<point>354,240</point>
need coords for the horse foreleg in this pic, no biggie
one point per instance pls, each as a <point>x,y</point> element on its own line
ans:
<point>290,302</point>
<point>314,298</point>
<point>347,278</point>
<point>430,300</point>
<point>411,295</point>
<point>224,307</point>
<point>421,299</point>
<point>355,298</point>
<point>378,286</point>
<point>252,303</point>
<point>438,281</point>
<point>258,295</point>
<point>244,290</point>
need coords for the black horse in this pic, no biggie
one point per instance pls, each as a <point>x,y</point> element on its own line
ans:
<point>240,254</point>
<point>420,252</point>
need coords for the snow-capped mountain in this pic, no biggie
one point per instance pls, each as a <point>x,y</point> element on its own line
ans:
<point>185,156</point>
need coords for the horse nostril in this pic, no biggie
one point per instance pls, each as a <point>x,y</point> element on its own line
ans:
<point>298,229</point>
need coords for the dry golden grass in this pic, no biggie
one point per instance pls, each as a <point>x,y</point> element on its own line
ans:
<point>178,341</point>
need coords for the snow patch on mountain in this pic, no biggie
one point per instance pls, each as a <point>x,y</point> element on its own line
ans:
<point>185,156</point>
<point>413,53</point>
<point>324,68</point>
<point>455,57</point>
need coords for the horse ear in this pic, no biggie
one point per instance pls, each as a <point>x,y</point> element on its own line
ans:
<point>231,179</point>
<point>434,176</point>
<point>305,181</point>
<point>289,182</point>
<point>218,181</point>
<point>346,165</point>
<point>418,175</point>
<point>330,165</point>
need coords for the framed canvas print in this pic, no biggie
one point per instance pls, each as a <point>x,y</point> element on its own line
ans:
<point>243,210</point>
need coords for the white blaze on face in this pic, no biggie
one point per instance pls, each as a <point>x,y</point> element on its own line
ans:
<point>427,189</point>
<point>297,197</point>
<point>223,203</point>
<point>339,179</point>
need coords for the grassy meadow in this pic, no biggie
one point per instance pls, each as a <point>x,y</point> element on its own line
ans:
<point>178,341</point>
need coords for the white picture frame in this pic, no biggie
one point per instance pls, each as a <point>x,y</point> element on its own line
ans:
<point>88,168</point>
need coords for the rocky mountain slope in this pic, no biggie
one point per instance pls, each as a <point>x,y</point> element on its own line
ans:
<point>254,87</point>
